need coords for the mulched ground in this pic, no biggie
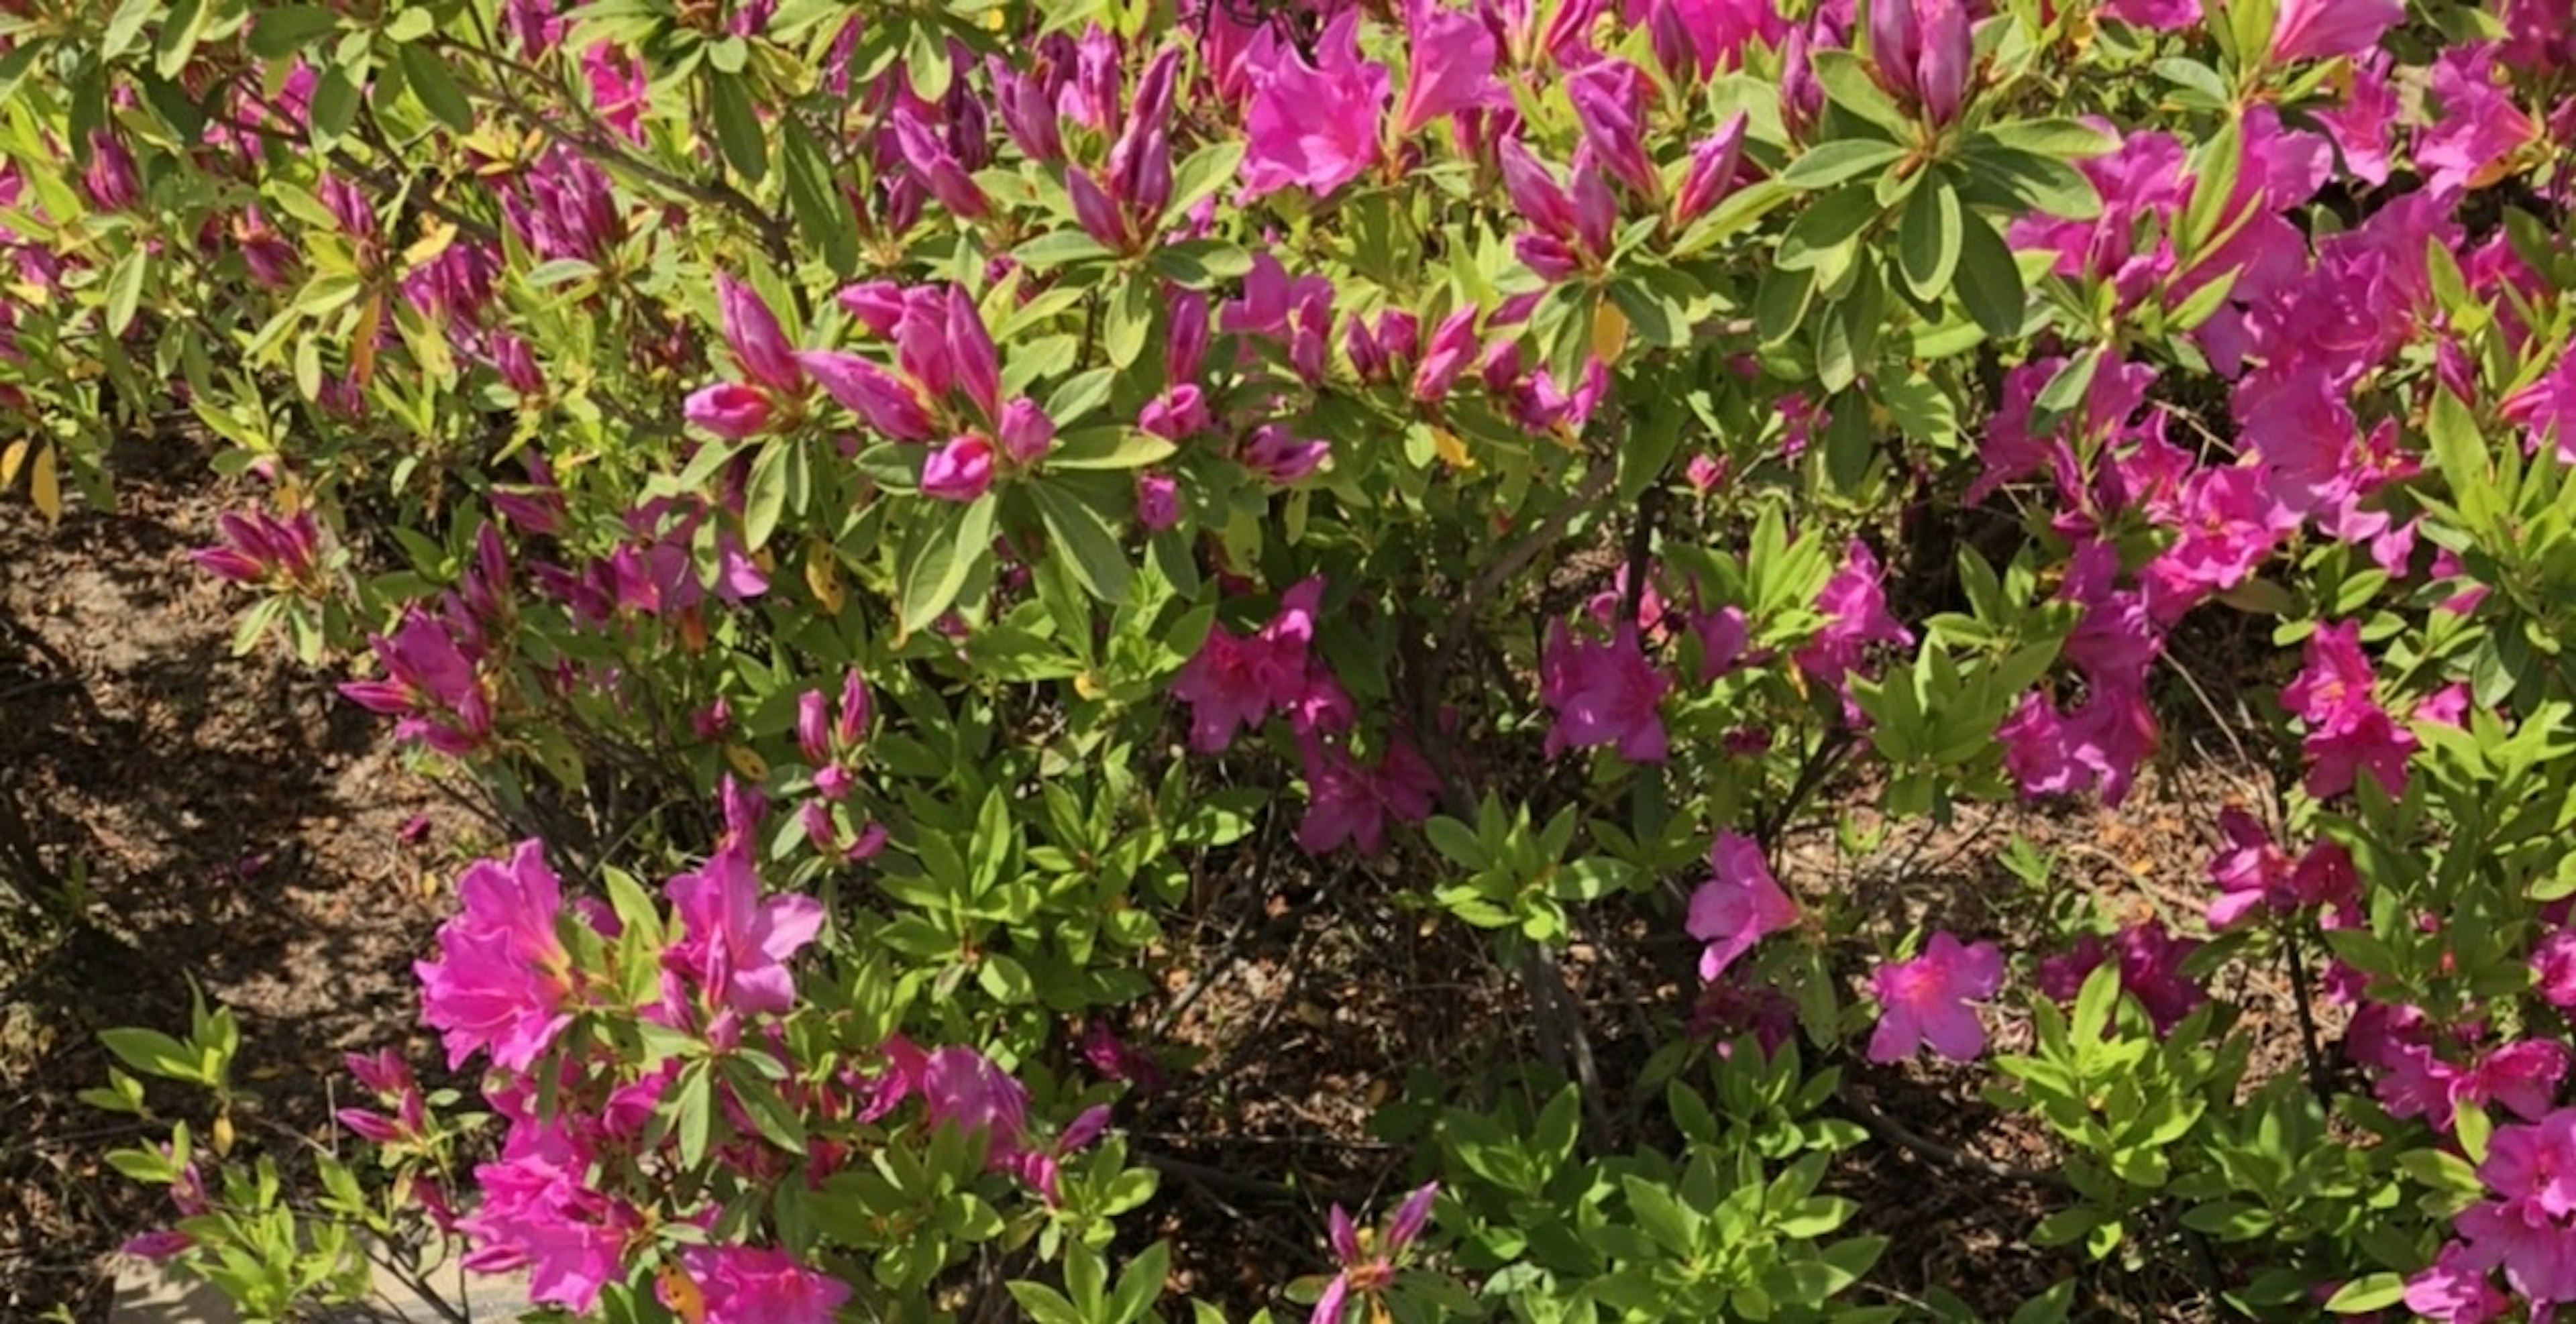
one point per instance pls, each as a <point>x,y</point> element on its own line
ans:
<point>227,819</point>
<point>233,821</point>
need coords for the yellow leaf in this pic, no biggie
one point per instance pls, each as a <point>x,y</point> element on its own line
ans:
<point>1449,448</point>
<point>1609,332</point>
<point>10,460</point>
<point>362,343</point>
<point>435,238</point>
<point>747,762</point>
<point>689,1303</point>
<point>223,1134</point>
<point>1086,686</point>
<point>45,486</point>
<point>823,576</point>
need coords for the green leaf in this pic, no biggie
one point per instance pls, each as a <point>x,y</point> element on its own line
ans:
<point>437,88</point>
<point>1989,282</point>
<point>1831,163</point>
<point>1077,531</point>
<point>1204,172</point>
<point>124,26</point>
<point>1044,1304</point>
<point>1848,84</point>
<point>2042,183</point>
<point>2060,138</point>
<point>1928,241</point>
<point>1660,321</point>
<point>125,289</point>
<point>152,1053</point>
<point>1130,321</point>
<point>693,1116</point>
<point>181,25</point>
<point>1107,448</point>
<point>2376,1291</point>
<point>822,214</point>
<point>765,497</point>
<point>943,550</point>
<point>1140,1284</point>
<point>1197,264</point>
<point>1058,248</point>
<point>738,130</point>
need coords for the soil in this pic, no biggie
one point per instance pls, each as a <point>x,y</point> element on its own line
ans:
<point>229,820</point>
<point>206,817</point>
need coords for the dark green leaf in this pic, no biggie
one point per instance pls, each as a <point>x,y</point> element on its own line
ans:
<point>1989,282</point>
<point>1828,164</point>
<point>738,129</point>
<point>437,88</point>
<point>1079,533</point>
<point>1927,242</point>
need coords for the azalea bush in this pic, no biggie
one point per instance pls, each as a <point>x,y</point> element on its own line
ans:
<point>889,501</point>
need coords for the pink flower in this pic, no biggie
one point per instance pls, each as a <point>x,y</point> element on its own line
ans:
<point>730,410</point>
<point>2523,1076</point>
<point>2348,732</point>
<point>2450,1292</point>
<point>1349,802</point>
<point>962,470</point>
<point>1312,124</point>
<point>1453,65</point>
<point>2229,524</point>
<point>2150,971</point>
<point>502,982</point>
<point>758,344</point>
<point>1854,604</point>
<point>734,946</point>
<point>1738,906</point>
<point>1158,502</point>
<point>2553,965</point>
<point>2530,1172</point>
<point>2323,29</point>
<point>963,1088</point>
<point>1925,1000</point>
<point>2250,871</point>
<point>1237,680</point>
<point>743,1285</point>
<point>1603,694</point>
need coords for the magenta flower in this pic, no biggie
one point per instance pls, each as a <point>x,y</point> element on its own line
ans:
<point>2348,731</point>
<point>962,470</point>
<point>2451,1292</point>
<point>743,1285</point>
<point>2553,967</point>
<point>259,548</point>
<point>1158,502</point>
<point>1238,680</point>
<point>963,1088</point>
<point>1738,905</point>
<point>1368,1265</point>
<point>539,1214</point>
<point>502,983</point>
<point>430,684</point>
<point>1453,65</point>
<point>1349,802</point>
<point>859,385</point>
<point>2323,29</point>
<point>2150,971</point>
<point>2530,1173</point>
<point>1854,604</point>
<point>758,344</point>
<point>1312,124</point>
<point>734,946</point>
<point>110,180</point>
<point>1603,693</point>
<point>730,410</point>
<point>1925,1000</point>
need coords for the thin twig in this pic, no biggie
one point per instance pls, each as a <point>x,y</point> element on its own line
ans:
<point>1888,1128</point>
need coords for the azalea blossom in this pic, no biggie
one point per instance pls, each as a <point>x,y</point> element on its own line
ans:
<point>1926,1000</point>
<point>1738,905</point>
<point>502,982</point>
